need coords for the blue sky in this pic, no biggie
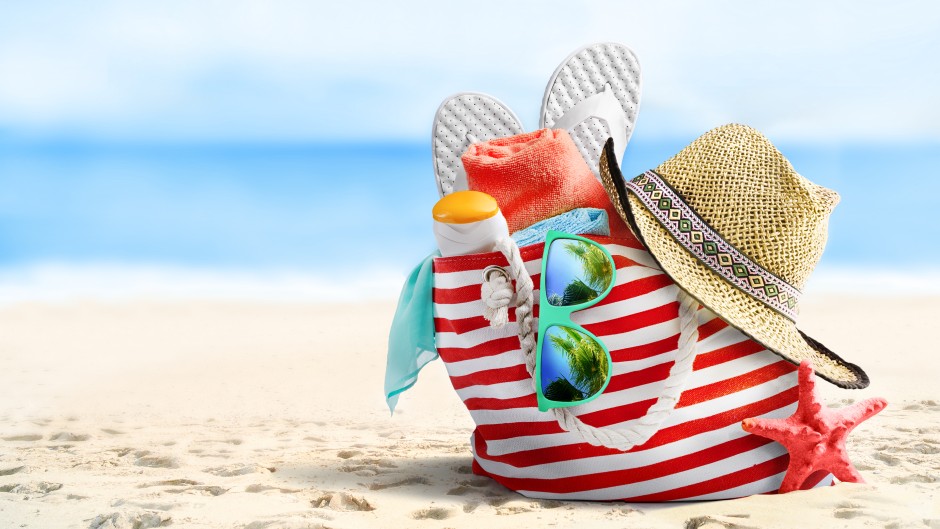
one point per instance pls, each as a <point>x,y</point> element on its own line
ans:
<point>263,136</point>
<point>295,71</point>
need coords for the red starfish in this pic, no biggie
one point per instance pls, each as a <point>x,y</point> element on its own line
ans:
<point>815,435</point>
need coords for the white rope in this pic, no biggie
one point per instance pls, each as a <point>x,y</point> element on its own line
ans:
<point>496,293</point>
<point>524,289</point>
<point>638,431</point>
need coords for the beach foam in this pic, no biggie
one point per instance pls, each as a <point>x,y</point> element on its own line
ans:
<point>57,282</point>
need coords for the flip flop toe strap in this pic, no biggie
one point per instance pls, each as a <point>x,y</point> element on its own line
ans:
<point>605,107</point>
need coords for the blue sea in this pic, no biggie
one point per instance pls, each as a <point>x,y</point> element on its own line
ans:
<point>351,219</point>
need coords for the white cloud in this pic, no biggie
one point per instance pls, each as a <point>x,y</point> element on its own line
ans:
<point>294,70</point>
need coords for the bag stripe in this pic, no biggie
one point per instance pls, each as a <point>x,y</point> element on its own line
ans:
<point>466,325</point>
<point>443,297</point>
<point>751,474</point>
<point>635,320</point>
<point>612,478</point>
<point>491,348</point>
<point>637,352</point>
<point>464,302</point>
<point>620,460</point>
<point>447,340</point>
<point>639,374</point>
<point>451,272</point>
<point>635,372</point>
<point>768,485</point>
<point>511,389</point>
<point>700,451</point>
<point>501,410</point>
<point>467,367</point>
<point>491,376</point>
<point>568,453</point>
<point>664,479</point>
<point>630,404</point>
<point>632,281</point>
<point>768,460</point>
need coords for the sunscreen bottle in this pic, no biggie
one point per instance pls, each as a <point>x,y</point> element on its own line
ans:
<point>468,222</point>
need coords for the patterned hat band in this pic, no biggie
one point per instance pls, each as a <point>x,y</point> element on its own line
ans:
<point>699,239</point>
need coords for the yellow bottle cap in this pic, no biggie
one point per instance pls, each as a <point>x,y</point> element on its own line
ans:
<point>463,207</point>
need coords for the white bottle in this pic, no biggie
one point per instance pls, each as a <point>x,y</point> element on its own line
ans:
<point>467,222</point>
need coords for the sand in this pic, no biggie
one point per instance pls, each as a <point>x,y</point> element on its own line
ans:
<point>136,414</point>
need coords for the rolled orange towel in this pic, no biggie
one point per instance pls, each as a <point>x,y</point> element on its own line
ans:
<point>535,176</point>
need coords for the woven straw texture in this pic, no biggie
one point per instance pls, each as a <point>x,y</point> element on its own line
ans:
<point>739,183</point>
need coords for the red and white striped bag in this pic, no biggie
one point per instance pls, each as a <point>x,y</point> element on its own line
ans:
<point>699,452</point>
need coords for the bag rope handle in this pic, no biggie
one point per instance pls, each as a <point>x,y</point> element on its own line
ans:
<point>496,293</point>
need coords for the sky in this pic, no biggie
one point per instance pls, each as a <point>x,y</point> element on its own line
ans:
<point>292,71</point>
<point>144,141</point>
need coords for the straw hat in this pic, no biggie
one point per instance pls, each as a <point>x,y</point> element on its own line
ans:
<point>731,222</point>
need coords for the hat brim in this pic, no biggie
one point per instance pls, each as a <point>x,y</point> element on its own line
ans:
<point>768,327</point>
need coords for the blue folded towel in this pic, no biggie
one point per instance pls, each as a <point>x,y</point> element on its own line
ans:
<point>583,221</point>
<point>411,339</point>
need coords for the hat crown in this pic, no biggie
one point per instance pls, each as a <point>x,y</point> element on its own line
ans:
<point>745,189</point>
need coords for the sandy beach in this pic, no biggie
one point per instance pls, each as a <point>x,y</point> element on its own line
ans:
<point>271,415</point>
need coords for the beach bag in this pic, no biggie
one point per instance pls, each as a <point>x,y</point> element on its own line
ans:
<point>699,450</point>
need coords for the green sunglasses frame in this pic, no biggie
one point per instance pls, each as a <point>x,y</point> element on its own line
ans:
<point>551,315</point>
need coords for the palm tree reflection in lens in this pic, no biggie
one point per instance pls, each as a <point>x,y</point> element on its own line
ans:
<point>588,269</point>
<point>574,365</point>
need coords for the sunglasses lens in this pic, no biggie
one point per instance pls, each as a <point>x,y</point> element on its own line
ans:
<point>573,365</point>
<point>576,272</point>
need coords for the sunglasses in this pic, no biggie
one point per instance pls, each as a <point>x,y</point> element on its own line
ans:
<point>572,366</point>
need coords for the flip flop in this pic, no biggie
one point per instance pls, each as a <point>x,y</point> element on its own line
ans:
<point>595,95</point>
<point>461,120</point>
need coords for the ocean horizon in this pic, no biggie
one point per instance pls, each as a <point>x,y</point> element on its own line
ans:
<point>348,220</point>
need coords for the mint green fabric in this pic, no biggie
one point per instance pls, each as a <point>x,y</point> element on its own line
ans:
<point>411,339</point>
